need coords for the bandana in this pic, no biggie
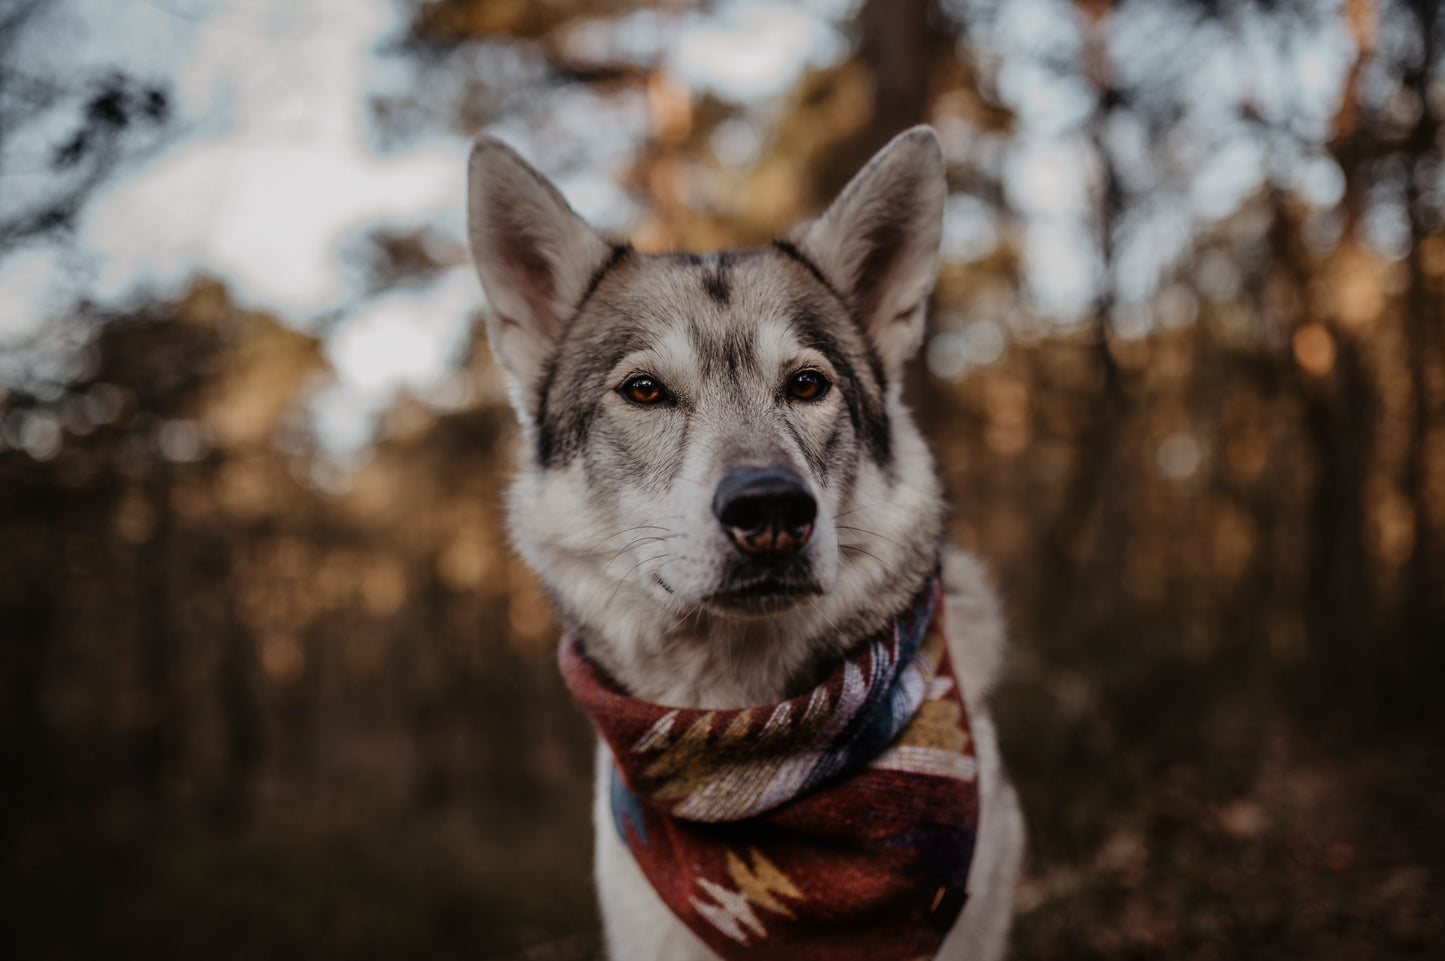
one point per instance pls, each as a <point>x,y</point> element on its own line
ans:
<point>838,825</point>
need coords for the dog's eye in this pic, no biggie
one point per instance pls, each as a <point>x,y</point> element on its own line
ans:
<point>642,389</point>
<point>807,385</point>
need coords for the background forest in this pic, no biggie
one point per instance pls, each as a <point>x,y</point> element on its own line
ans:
<point>272,683</point>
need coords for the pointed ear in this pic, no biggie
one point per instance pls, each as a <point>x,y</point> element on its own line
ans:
<point>535,256</point>
<point>879,242</point>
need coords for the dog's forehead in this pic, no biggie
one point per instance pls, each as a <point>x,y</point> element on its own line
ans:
<point>720,307</point>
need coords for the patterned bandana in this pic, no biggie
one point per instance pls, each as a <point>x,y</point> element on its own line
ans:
<point>837,825</point>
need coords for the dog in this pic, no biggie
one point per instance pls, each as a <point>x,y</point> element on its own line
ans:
<point>724,498</point>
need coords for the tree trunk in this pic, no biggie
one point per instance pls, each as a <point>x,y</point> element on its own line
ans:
<point>898,41</point>
<point>1419,659</point>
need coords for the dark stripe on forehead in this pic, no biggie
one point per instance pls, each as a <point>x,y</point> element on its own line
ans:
<point>597,354</point>
<point>619,253</point>
<point>864,401</point>
<point>730,342</point>
<point>740,347</point>
<point>813,333</point>
<point>715,283</point>
<point>789,250</point>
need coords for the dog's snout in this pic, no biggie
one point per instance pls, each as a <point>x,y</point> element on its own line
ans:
<point>767,511</point>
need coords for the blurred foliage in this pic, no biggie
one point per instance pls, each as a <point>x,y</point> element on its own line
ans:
<point>84,127</point>
<point>254,707</point>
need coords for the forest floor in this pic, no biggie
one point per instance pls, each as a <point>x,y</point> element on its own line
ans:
<point>1321,855</point>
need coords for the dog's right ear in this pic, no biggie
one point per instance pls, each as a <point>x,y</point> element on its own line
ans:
<point>535,256</point>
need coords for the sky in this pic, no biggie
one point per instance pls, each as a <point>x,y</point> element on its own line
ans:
<point>275,170</point>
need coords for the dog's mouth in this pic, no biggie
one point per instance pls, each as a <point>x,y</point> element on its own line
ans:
<point>763,595</point>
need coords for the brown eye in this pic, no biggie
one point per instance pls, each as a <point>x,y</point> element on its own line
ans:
<point>642,389</point>
<point>807,385</point>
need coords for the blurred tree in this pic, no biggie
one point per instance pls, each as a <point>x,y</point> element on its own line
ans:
<point>1295,293</point>
<point>84,129</point>
<point>1424,203</point>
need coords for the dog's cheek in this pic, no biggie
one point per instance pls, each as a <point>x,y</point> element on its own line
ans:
<point>661,455</point>
<point>833,457</point>
<point>633,450</point>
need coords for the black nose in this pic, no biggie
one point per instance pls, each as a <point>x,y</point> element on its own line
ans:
<point>765,510</point>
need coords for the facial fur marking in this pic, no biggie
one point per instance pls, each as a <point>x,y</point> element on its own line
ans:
<point>740,350</point>
<point>810,452</point>
<point>559,439</point>
<point>562,429</point>
<point>732,346</point>
<point>830,446</point>
<point>546,441</point>
<point>865,406</point>
<point>677,459</point>
<point>789,250</point>
<point>619,253</point>
<point>715,283</point>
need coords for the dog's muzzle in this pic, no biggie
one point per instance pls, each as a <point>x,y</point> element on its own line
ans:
<point>767,511</point>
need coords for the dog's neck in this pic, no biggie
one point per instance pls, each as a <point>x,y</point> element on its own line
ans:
<point>708,663</point>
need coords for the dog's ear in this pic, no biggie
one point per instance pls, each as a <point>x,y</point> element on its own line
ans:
<point>535,257</point>
<point>879,242</point>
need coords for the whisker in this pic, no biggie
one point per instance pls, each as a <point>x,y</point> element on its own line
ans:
<point>627,530</point>
<point>627,546</point>
<point>850,547</point>
<point>824,615</point>
<point>864,530</point>
<point>623,579</point>
<point>866,507</point>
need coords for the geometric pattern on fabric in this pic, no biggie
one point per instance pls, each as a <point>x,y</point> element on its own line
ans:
<point>836,825</point>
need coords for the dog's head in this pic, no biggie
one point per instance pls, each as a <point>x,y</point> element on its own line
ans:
<point>718,468</point>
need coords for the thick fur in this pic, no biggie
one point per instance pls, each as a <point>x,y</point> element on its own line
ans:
<point>614,506</point>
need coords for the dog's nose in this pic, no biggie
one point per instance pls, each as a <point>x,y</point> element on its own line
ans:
<point>766,510</point>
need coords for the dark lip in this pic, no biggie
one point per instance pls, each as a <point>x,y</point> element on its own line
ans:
<point>764,593</point>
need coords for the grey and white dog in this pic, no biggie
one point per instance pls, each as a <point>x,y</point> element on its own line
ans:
<point>721,486</point>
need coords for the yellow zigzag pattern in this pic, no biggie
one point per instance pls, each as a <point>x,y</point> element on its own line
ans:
<point>730,911</point>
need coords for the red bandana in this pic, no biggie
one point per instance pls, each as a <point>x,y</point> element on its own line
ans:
<point>838,825</point>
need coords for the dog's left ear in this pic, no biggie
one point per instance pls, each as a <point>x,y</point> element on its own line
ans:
<point>879,242</point>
